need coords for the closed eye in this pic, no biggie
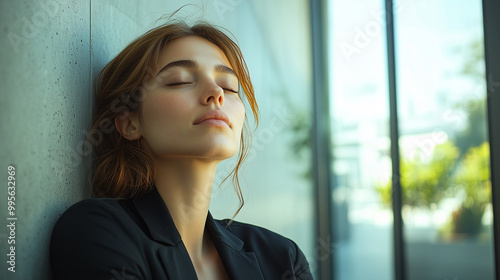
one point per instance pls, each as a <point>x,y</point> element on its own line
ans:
<point>228,89</point>
<point>179,84</point>
<point>188,83</point>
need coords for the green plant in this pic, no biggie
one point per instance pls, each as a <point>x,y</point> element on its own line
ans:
<point>473,179</point>
<point>424,181</point>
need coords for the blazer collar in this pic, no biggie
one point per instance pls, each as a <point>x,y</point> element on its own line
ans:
<point>155,214</point>
<point>239,264</point>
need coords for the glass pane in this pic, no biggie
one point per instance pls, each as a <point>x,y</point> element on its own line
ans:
<point>360,136</point>
<point>444,149</point>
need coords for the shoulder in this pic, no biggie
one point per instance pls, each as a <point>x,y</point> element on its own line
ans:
<point>257,235</point>
<point>91,219</point>
<point>88,213</point>
<point>271,248</point>
<point>98,233</point>
<point>93,206</point>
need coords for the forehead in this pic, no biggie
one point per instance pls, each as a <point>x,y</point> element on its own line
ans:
<point>204,52</point>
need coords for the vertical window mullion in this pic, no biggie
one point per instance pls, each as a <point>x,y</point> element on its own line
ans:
<point>492,60</point>
<point>321,144</point>
<point>399,254</point>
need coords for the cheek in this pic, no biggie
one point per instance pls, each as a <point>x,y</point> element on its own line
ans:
<point>238,111</point>
<point>163,111</point>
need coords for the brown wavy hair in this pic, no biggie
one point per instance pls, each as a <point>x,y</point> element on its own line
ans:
<point>121,169</point>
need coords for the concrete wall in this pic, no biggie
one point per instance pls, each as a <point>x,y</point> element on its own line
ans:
<point>50,52</point>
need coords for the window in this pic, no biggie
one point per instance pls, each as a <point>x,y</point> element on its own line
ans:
<point>443,143</point>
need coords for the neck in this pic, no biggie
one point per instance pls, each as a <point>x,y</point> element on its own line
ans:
<point>185,186</point>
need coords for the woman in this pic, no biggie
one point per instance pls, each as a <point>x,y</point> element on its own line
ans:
<point>168,109</point>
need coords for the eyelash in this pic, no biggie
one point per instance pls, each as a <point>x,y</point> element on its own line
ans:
<point>187,83</point>
<point>233,91</point>
<point>178,84</point>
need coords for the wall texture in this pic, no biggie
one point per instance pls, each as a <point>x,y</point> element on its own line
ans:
<point>50,52</point>
<point>45,109</point>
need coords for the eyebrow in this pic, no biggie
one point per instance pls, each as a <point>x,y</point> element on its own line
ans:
<point>193,64</point>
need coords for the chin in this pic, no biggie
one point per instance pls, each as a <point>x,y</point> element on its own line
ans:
<point>218,148</point>
<point>220,153</point>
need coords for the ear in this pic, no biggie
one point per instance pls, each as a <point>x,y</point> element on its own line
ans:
<point>127,124</point>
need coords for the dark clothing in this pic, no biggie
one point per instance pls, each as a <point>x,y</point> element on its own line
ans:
<point>105,238</point>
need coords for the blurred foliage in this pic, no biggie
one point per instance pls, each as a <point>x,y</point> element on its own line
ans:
<point>424,181</point>
<point>474,64</point>
<point>300,144</point>
<point>473,173</point>
<point>473,176</point>
<point>460,168</point>
<point>474,132</point>
<point>427,182</point>
<point>466,220</point>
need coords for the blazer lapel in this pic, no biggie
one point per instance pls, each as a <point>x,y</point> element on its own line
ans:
<point>240,265</point>
<point>176,261</point>
<point>155,214</point>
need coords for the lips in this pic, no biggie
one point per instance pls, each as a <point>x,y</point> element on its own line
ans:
<point>213,117</point>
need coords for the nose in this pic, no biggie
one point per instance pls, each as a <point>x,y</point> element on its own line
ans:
<point>212,93</point>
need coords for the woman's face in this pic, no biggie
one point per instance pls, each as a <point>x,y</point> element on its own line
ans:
<point>192,108</point>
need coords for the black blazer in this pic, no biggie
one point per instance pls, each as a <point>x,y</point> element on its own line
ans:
<point>105,238</point>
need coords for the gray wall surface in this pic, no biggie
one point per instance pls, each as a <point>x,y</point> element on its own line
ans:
<point>50,52</point>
